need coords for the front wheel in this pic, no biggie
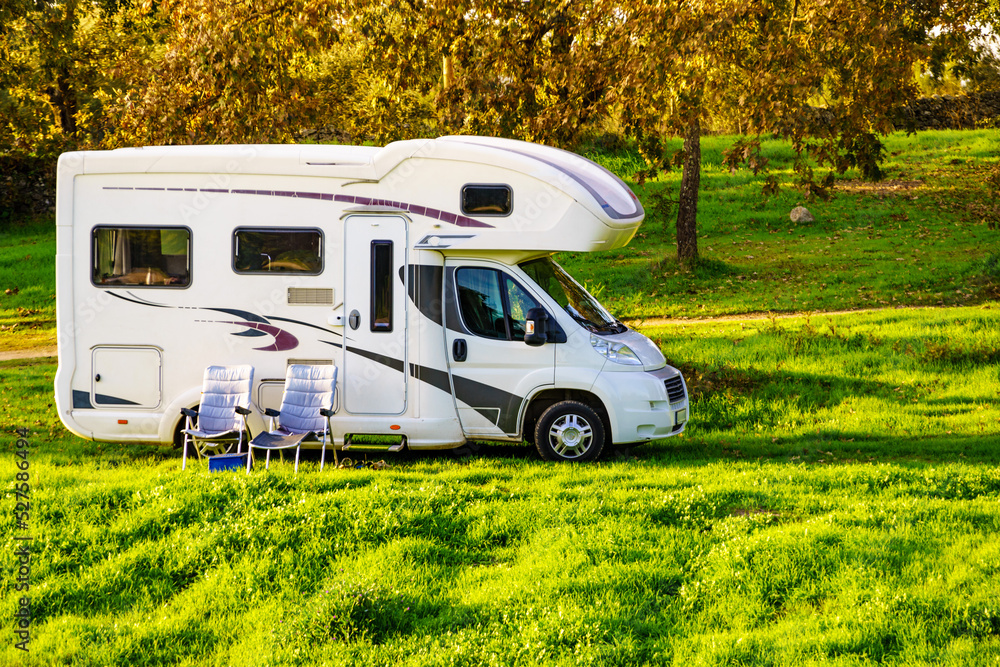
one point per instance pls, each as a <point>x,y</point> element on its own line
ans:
<point>569,431</point>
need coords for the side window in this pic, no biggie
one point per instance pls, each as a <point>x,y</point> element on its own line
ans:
<point>147,256</point>
<point>493,305</point>
<point>278,251</point>
<point>381,286</point>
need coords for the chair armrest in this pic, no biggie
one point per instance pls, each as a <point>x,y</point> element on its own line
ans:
<point>326,412</point>
<point>242,411</point>
<point>271,412</point>
<point>189,412</point>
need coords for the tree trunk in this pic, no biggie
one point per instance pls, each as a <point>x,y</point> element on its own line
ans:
<point>687,209</point>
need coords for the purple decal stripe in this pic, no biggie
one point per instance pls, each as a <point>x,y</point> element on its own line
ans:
<point>282,339</point>
<point>435,213</point>
<point>415,209</point>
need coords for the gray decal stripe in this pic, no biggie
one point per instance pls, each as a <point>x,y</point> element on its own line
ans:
<point>248,316</point>
<point>394,364</point>
<point>432,376</point>
<point>483,398</point>
<point>305,324</point>
<point>81,400</point>
<point>113,400</point>
<point>608,208</point>
<point>424,288</point>
<point>251,333</point>
<point>135,299</point>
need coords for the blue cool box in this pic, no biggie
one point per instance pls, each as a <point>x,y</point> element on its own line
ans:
<point>227,462</point>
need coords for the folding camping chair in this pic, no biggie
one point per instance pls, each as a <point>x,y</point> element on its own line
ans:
<point>306,408</point>
<point>220,419</point>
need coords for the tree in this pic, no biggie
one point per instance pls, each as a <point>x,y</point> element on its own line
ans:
<point>763,60</point>
<point>54,58</point>
<point>228,71</point>
<point>536,71</point>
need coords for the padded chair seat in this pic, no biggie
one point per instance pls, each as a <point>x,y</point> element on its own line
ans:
<point>306,406</point>
<point>276,440</point>
<point>219,420</point>
<point>214,435</point>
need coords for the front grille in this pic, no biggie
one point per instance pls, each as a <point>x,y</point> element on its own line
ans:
<point>675,388</point>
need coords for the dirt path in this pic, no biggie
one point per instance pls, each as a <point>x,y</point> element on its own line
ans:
<point>30,353</point>
<point>749,317</point>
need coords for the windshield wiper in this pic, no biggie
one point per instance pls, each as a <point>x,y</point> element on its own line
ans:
<point>615,327</point>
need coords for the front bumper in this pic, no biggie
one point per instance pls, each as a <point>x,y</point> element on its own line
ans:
<point>644,405</point>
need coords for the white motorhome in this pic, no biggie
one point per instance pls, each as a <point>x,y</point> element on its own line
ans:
<point>423,270</point>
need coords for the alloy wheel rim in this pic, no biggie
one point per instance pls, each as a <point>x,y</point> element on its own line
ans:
<point>571,436</point>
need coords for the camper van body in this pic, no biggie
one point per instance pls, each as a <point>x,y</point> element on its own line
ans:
<point>411,267</point>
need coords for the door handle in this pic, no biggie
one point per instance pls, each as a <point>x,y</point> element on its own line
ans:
<point>459,350</point>
<point>354,319</point>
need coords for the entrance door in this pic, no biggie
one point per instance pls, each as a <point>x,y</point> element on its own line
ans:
<point>493,370</point>
<point>374,373</point>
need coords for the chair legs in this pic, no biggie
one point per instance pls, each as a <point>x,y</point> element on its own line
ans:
<point>281,453</point>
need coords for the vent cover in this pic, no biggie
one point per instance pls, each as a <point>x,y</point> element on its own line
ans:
<point>311,362</point>
<point>310,296</point>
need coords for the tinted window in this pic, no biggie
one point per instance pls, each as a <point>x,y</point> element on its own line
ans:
<point>149,256</point>
<point>278,251</point>
<point>487,200</point>
<point>493,305</point>
<point>381,286</point>
<point>519,302</point>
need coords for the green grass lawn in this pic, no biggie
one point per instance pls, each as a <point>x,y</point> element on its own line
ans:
<point>28,285</point>
<point>834,500</point>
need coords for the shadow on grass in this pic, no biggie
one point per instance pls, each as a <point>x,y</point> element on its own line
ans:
<point>823,447</point>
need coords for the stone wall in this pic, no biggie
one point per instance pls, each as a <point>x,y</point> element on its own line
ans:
<point>952,113</point>
<point>27,187</point>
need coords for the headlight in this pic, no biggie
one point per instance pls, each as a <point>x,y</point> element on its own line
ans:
<point>620,353</point>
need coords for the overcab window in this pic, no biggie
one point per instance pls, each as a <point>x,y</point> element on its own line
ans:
<point>146,256</point>
<point>487,200</point>
<point>278,251</point>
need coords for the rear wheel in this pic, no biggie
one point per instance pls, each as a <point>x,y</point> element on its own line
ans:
<point>569,431</point>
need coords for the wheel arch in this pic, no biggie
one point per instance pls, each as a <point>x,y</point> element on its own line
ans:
<point>546,398</point>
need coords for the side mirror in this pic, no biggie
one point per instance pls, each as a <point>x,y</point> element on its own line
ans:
<point>535,327</point>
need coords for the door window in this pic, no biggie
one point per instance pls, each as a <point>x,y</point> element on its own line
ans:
<point>493,304</point>
<point>381,286</point>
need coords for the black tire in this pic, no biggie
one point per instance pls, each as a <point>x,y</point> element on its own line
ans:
<point>569,431</point>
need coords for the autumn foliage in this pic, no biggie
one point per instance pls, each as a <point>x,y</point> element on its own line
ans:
<point>77,74</point>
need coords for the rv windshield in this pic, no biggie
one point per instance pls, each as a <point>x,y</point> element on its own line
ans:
<point>569,294</point>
